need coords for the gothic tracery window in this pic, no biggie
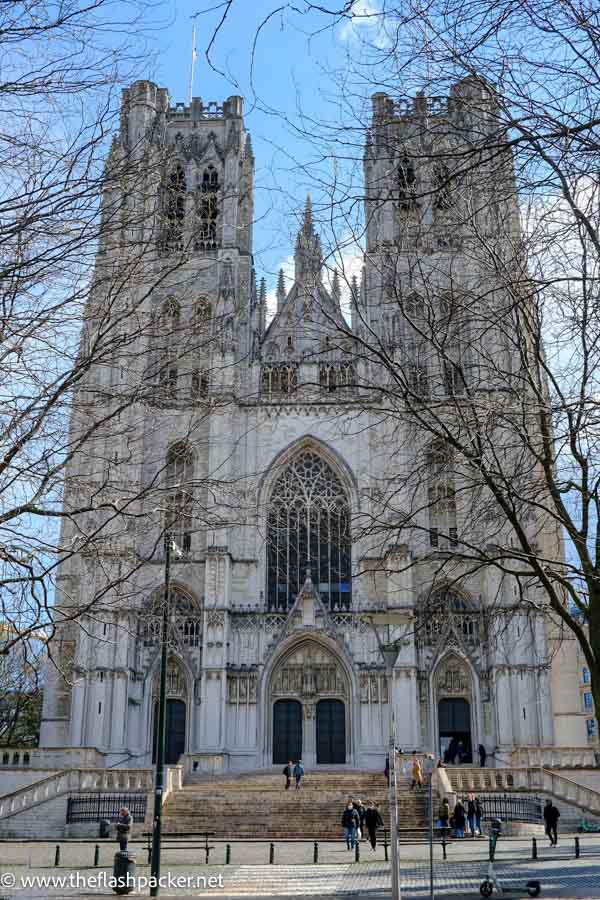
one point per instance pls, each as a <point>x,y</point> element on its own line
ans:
<point>179,478</point>
<point>208,210</point>
<point>279,380</point>
<point>441,497</point>
<point>308,528</point>
<point>175,209</point>
<point>406,184</point>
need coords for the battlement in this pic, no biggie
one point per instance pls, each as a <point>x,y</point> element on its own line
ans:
<point>471,92</point>
<point>198,110</point>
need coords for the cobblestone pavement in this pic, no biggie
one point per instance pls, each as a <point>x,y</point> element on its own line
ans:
<point>561,875</point>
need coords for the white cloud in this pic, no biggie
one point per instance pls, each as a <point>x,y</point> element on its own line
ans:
<point>366,16</point>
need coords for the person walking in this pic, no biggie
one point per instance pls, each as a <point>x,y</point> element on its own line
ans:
<point>551,817</point>
<point>458,820</point>
<point>123,826</point>
<point>417,772</point>
<point>288,770</point>
<point>386,770</point>
<point>478,815</point>
<point>471,813</point>
<point>373,821</point>
<point>444,813</point>
<point>298,773</point>
<point>482,755</point>
<point>350,823</point>
<point>361,810</point>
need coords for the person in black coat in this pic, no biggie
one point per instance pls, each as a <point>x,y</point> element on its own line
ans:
<point>288,771</point>
<point>350,824</point>
<point>482,755</point>
<point>124,823</point>
<point>551,817</point>
<point>458,820</point>
<point>373,821</point>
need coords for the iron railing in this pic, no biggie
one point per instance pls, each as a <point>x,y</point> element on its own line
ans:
<point>511,808</point>
<point>94,807</point>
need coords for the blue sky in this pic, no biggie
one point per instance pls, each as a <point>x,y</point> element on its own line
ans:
<point>288,88</point>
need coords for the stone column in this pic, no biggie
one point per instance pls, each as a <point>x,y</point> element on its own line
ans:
<point>309,733</point>
<point>504,710</point>
<point>78,695</point>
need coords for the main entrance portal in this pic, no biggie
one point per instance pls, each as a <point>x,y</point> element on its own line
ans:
<point>175,743</point>
<point>455,730</point>
<point>331,732</point>
<point>287,731</point>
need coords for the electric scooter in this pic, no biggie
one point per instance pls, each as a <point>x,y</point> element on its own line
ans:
<point>492,882</point>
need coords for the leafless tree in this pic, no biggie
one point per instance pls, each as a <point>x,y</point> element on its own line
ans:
<point>86,356</point>
<point>477,338</point>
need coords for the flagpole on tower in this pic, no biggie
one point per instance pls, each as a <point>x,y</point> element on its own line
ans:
<point>193,66</point>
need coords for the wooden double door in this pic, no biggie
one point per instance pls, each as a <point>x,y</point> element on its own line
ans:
<point>288,733</point>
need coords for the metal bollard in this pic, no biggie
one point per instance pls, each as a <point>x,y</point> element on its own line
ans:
<point>207,852</point>
<point>534,848</point>
<point>357,851</point>
<point>444,854</point>
<point>228,854</point>
<point>57,855</point>
<point>385,846</point>
<point>316,853</point>
<point>96,856</point>
<point>272,854</point>
<point>577,848</point>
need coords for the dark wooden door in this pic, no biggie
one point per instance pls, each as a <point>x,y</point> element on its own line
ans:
<point>287,731</point>
<point>455,729</point>
<point>331,732</point>
<point>175,744</point>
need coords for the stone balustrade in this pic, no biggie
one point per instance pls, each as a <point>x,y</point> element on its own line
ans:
<point>555,757</point>
<point>75,781</point>
<point>51,757</point>
<point>534,779</point>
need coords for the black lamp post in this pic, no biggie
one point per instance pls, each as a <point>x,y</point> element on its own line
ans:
<point>170,548</point>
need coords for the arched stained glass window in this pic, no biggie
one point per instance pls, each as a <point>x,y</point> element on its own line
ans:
<point>308,528</point>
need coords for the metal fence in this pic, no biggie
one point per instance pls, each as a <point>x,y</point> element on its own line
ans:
<point>511,808</point>
<point>93,807</point>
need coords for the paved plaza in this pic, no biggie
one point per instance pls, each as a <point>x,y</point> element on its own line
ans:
<point>294,874</point>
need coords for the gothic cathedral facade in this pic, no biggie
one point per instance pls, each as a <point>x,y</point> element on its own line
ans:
<point>261,455</point>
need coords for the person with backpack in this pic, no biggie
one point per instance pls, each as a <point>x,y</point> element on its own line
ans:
<point>350,824</point>
<point>287,771</point>
<point>298,773</point>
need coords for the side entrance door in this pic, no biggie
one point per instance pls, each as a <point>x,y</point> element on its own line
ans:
<point>287,731</point>
<point>175,744</point>
<point>331,732</point>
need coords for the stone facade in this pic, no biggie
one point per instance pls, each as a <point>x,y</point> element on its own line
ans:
<point>271,412</point>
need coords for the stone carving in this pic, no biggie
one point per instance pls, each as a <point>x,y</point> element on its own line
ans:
<point>373,687</point>
<point>453,678</point>
<point>241,689</point>
<point>310,671</point>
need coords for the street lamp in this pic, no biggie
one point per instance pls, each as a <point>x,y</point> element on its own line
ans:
<point>389,650</point>
<point>170,548</point>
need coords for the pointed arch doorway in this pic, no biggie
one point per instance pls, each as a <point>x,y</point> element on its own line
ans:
<point>308,698</point>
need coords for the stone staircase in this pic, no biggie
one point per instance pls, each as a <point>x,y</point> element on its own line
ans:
<point>255,805</point>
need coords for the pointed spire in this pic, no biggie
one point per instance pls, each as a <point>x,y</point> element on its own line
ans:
<point>280,289</point>
<point>248,151</point>
<point>307,224</point>
<point>262,291</point>
<point>336,288</point>
<point>308,248</point>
